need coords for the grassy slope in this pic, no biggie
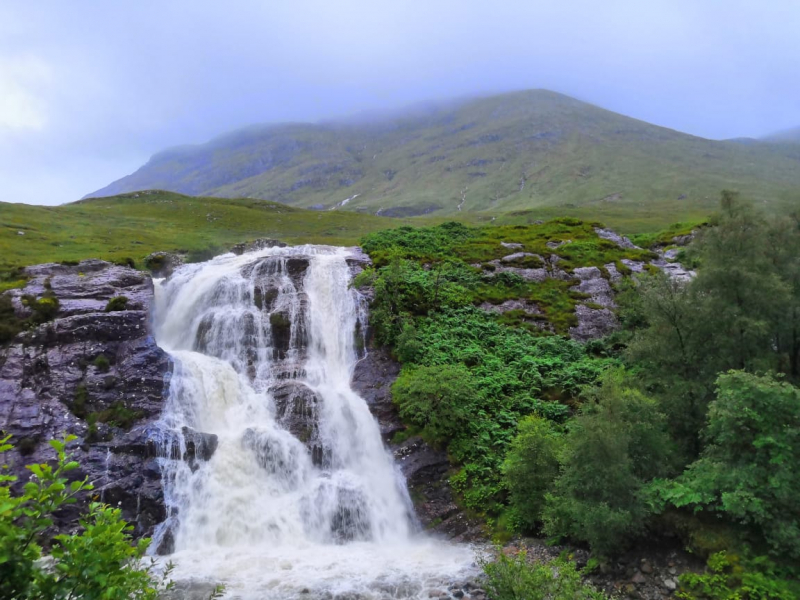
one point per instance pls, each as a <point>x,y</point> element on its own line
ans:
<point>135,225</point>
<point>531,151</point>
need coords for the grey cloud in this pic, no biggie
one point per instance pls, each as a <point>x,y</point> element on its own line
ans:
<point>126,80</point>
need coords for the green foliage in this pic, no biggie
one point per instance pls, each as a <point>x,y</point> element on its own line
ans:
<point>43,309</point>
<point>422,270</point>
<point>102,363</point>
<point>405,290</point>
<point>728,577</point>
<point>742,311</point>
<point>747,472</point>
<point>616,445</point>
<point>531,466</point>
<point>100,563</point>
<point>117,415</point>
<point>439,399</point>
<point>10,325</point>
<point>117,303</point>
<point>419,243</point>
<point>515,578</point>
<point>516,373</point>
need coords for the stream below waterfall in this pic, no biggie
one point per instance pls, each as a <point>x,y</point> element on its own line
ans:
<point>276,479</point>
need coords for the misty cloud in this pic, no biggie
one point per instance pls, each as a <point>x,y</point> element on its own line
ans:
<point>88,90</point>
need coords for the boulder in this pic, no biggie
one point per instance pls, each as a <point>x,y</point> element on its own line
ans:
<point>163,264</point>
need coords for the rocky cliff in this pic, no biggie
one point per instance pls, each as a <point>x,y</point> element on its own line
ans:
<point>93,371</point>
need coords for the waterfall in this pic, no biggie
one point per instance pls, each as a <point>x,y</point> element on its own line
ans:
<point>275,476</point>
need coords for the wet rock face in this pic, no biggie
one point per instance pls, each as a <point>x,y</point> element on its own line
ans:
<point>426,469</point>
<point>297,410</point>
<point>95,374</point>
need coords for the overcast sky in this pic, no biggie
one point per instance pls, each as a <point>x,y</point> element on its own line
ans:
<point>90,89</point>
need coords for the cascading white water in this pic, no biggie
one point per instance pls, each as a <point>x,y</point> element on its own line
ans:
<point>299,494</point>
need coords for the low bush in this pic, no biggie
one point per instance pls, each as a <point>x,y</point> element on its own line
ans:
<point>100,563</point>
<point>729,577</point>
<point>515,578</point>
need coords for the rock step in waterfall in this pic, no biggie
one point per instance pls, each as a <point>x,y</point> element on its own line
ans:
<point>275,475</point>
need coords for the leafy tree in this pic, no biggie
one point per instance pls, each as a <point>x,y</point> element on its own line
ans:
<point>742,311</point>
<point>613,447</point>
<point>101,563</point>
<point>739,289</point>
<point>531,466</point>
<point>748,470</point>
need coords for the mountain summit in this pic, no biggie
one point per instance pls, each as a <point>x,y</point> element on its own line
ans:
<point>515,151</point>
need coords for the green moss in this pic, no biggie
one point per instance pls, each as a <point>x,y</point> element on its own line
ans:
<point>117,415</point>
<point>279,320</point>
<point>10,325</point>
<point>102,363</point>
<point>117,303</point>
<point>80,402</point>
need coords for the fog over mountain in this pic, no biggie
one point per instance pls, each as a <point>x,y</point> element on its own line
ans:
<point>90,91</point>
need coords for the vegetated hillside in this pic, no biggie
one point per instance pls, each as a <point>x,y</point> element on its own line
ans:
<point>682,424</point>
<point>534,150</point>
<point>135,225</point>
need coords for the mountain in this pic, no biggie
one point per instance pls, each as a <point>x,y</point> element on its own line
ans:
<point>791,136</point>
<point>524,151</point>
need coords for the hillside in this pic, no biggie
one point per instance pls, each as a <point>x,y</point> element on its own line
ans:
<point>134,225</point>
<point>533,150</point>
<point>791,136</point>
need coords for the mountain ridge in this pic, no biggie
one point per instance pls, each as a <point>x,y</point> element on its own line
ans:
<point>518,151</point>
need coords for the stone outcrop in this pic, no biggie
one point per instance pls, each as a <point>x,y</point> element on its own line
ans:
<point>94,374</point>
<point>163,264</point>
<point>595,310</point>
<point>595,314</point>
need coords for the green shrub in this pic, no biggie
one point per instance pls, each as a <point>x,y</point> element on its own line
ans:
<point>155,262</point>
<point>517,374</point>
<point>515,578</point>
<point>117,303</point>
<point>100,563</point>
<point>80,402</point>
<point>10,325</point>
<point>126,262</point>
<point>747,472</point>
<point>531,466</point>
<point>440,400</point>
<point>43,309</point>
<point>102,363</point>
<point>728,577</point>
